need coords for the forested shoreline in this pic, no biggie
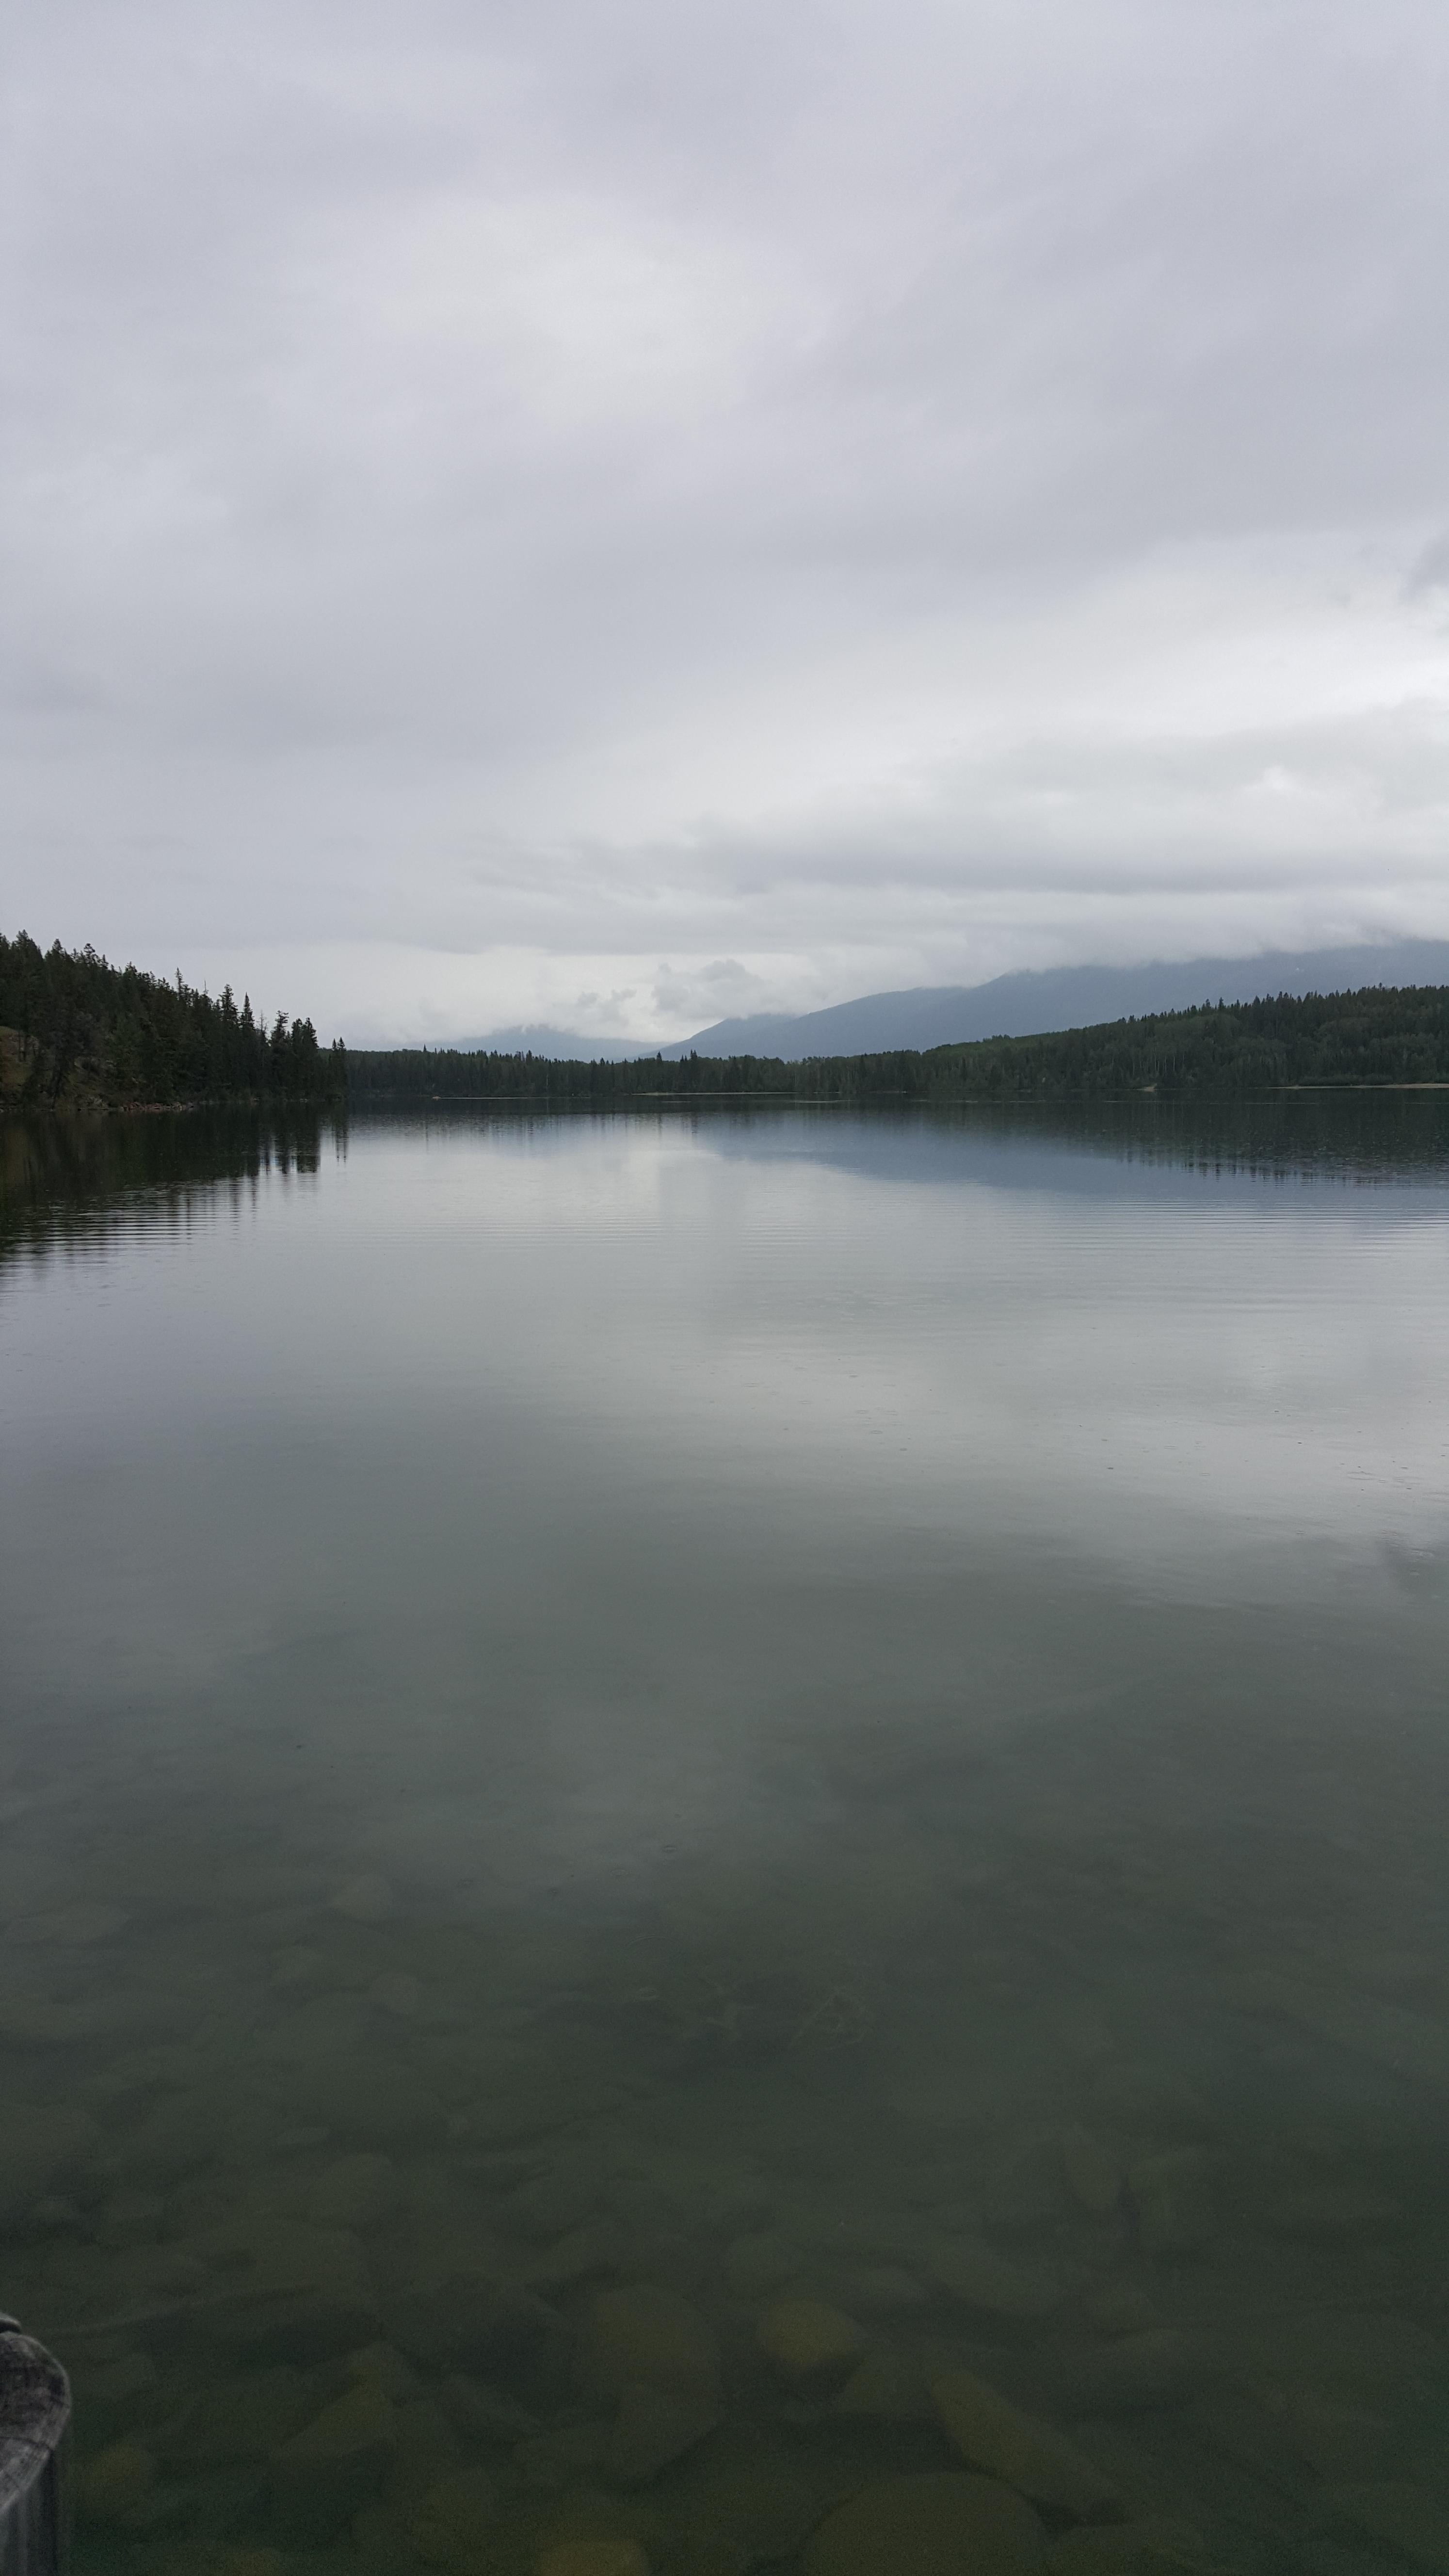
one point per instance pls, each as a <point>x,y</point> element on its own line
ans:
<point>1378,1036</point>
<point>79,1033</point>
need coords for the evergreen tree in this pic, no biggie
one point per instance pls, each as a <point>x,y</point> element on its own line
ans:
<point>84,1032</point>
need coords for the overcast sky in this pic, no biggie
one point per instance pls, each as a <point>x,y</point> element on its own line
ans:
<point>619,516</point>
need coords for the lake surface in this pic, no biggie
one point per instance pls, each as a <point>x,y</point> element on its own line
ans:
<point>614,1726</point>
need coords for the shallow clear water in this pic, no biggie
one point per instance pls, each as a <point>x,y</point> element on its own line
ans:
<point>609,1722</point>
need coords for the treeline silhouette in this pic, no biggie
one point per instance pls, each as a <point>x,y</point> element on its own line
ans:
<point>1377,1036</point>
<point>77,1032</point>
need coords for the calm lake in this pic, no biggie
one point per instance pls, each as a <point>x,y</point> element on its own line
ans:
<point>690,1803</point>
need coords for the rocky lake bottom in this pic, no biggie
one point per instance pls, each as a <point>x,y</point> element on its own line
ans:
<point>1032,2145</point>
<point>1011,2137</point>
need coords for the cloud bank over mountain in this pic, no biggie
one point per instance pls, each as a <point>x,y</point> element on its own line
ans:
<point>1066,997</point>
<point>1019,1005</point>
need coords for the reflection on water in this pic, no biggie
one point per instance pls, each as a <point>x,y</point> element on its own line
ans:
<point>725,1836</point>
<point>63,1177</point>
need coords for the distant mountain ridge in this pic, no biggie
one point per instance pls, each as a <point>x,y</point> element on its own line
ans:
<point>537,1037</point>
<point>1030,1003</point>
<point>1377,1038</point>
<point>1063,997</point>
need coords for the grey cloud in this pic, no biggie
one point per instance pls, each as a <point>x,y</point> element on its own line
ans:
<point>716,988</point>
<point>1430,570</point>
<point>486,480</point>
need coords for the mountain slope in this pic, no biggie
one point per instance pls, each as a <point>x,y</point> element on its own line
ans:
<point>537,1037</point>
<point>1061,997</point>
<point>1372,1038</point>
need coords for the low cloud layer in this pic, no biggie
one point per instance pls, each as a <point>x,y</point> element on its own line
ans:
<point>623,519</point>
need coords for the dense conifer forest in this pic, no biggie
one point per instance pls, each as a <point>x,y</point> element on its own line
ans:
<point>1377,1036</point>
<point>76,1032</point>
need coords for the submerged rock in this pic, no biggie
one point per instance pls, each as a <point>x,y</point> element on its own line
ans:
<point>55,2216</point>
<point>1149,2096</point>
<point>1119,2309</point>
<point>1094,2170</point>
<point>365,1899</point>
<point>1173,2197</point>
<point>483,2413</point>
<point>1359,2357</point>
<point>550,2462</point>
<point>983,2279</point>
<point>113,2396</point>
<point>358,2100</point>
<point>469,2319</point>
<point>943,2523</point>
<point>43,2022</point>
<point>651,2335</point>
<point>244,2415</point>
<point>593,2558</point>
<point>887,2387</point>
<point>1408,2517</point>
<point>129,2218</point>
<point>287,2292</point>
<point>328,2471</point>
<point>176,2138</point>
<point>1338,2441</point>
<point>70,1926</point>
<point>1025,2195</point>
<point>113,2484</point>
<point>428,2450</point>
<point>40,2147</point>
<point>298,1963</point>
<point>1133,2374</point>
<point>551,2204</point>
<point>399,1993</point>
<point>587,2253</point>
<point>882,2290</point>
<point>357,2192</point>
<point>1327,2212</point>
<point>1154,2548</point>
<point>756,2265</point>
<point>741,2518</point>
<point>454,2526</point>
<point>994,2436</point>
<point>384,2367</point>
<point>1409,2043</point>
<point>653,2428</point>
<point>809,2343</point>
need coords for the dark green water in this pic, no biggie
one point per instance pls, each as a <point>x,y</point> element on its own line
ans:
<point>611,1722</point>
